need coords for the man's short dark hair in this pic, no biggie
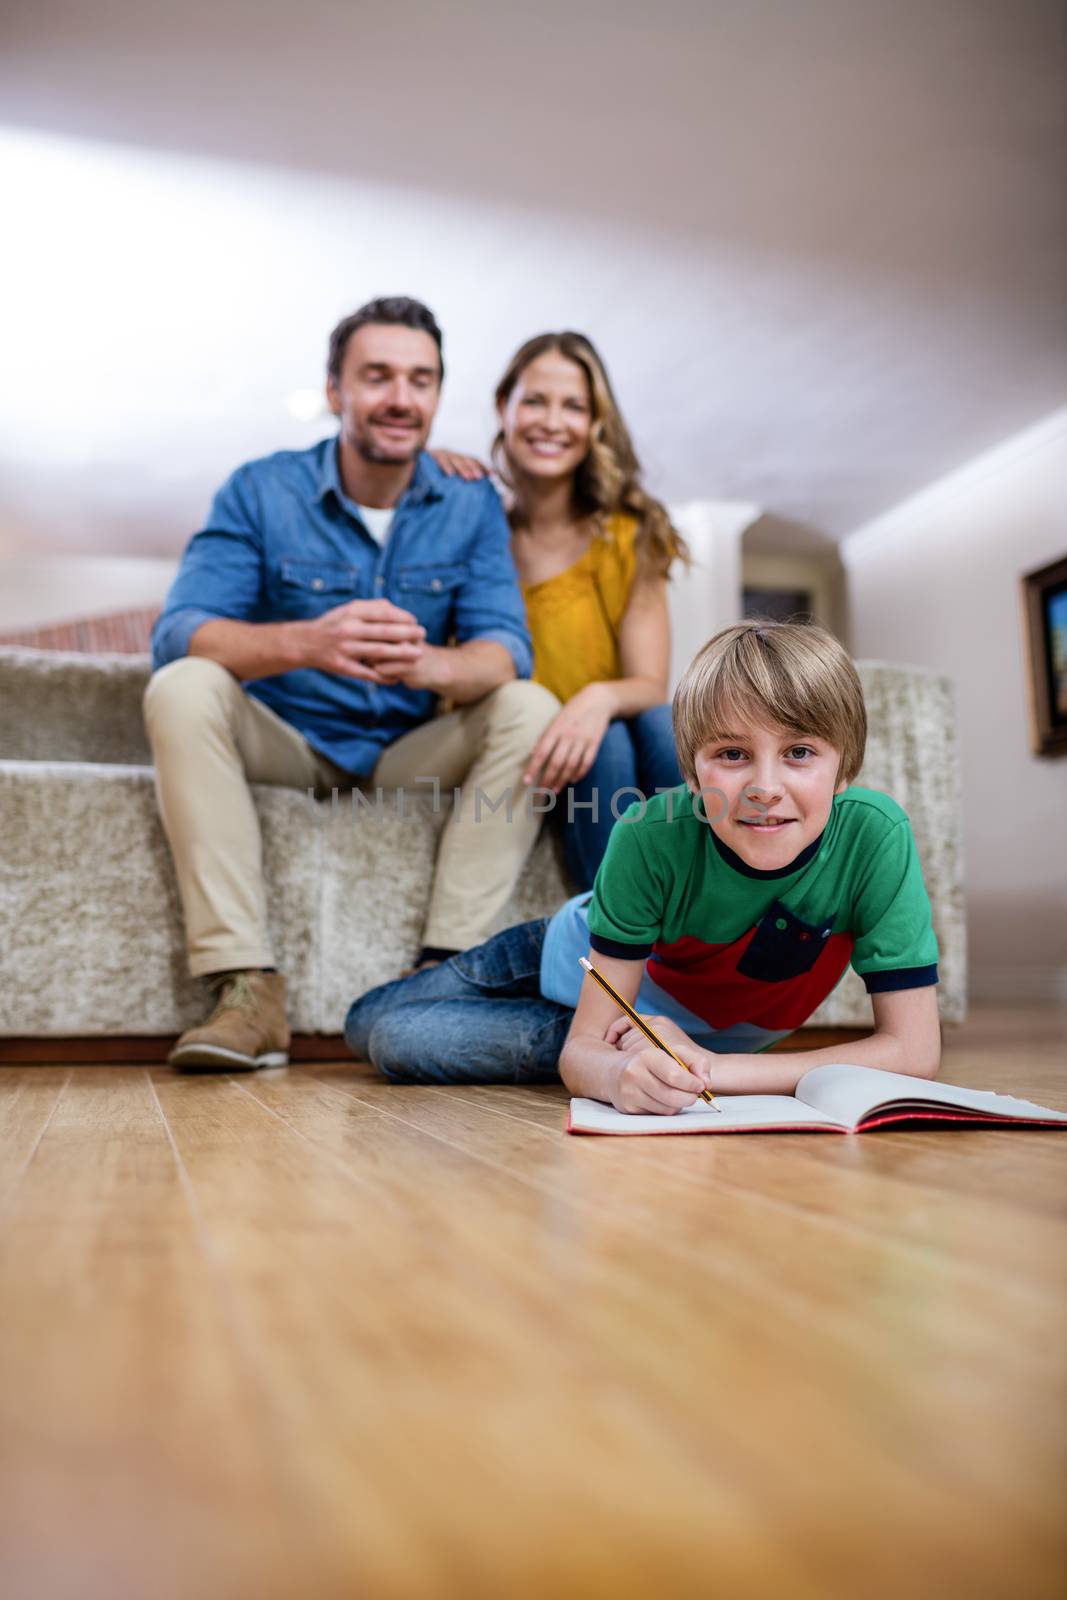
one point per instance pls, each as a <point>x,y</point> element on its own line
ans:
<point>396,309</point>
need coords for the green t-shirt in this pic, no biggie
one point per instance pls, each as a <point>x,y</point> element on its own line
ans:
<point>733,944</point>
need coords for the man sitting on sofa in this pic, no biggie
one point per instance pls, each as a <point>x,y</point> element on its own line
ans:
<point>334,595</point>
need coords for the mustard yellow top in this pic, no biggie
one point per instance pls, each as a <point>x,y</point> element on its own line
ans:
<point>574,618</point>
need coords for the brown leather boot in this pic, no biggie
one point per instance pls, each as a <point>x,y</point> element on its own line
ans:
<point>247,1028</point>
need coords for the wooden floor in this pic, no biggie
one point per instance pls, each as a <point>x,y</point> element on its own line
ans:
<point>307,1335</point>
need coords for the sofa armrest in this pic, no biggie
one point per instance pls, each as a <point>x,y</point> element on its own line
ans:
<point>58,705</point>
<point>913,754</point>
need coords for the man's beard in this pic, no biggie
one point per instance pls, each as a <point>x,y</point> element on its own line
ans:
<point>381,457</point>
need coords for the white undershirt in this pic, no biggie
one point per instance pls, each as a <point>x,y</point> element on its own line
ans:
<point>377,520</point>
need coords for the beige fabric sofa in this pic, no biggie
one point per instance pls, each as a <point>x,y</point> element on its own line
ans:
<point>90,924</point>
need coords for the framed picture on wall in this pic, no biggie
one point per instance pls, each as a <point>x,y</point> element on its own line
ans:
<point>781,605</point>
<point>1044,595</point>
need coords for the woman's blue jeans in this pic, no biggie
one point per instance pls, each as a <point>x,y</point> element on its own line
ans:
<point>635,757</point>
<point>479,1017</point>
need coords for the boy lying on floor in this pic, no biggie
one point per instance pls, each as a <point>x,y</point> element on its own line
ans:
<point>725,911</point>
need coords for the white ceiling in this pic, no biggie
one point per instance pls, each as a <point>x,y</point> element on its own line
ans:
<point>822,243</point>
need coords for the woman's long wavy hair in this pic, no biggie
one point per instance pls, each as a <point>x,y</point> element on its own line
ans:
<point>608,480</point>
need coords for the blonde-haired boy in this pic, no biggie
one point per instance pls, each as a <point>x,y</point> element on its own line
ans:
<point>725,910</point>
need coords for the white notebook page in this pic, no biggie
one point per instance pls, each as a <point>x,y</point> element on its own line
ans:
<point>847,1094</point>
<point>738,1111</point>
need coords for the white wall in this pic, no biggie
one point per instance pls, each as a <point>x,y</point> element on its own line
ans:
<point>936,582</point>
<point>819,319</point>
<point>38,591</point>
<point>706,596</point>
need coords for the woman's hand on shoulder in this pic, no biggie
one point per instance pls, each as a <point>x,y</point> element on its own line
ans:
<point>568,747</point>
<point>454,465</point>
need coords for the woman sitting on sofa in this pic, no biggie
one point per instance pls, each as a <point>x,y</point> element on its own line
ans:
<point>593,551</point>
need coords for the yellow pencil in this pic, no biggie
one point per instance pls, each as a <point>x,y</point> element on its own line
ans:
<point>623,1005</point>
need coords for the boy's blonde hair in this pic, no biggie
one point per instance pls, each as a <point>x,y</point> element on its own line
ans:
<point>790,673</point>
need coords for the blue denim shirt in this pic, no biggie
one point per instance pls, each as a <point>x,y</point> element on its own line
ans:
<point>283,543</point>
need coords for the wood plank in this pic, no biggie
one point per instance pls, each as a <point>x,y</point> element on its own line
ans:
<point>884,1363</point>
<point>28,1101</point>
<point>144,1049</point>
<point>410,1372</point>
<point>132,1427</point>
<point>310,1333</point>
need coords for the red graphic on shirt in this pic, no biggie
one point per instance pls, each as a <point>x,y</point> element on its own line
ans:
<point>704,978</point>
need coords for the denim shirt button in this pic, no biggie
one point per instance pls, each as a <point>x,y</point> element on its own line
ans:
<point>316,583</point>
<point>436,583</point>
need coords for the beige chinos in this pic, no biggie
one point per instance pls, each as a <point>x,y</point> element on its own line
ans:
<point>210,740</point>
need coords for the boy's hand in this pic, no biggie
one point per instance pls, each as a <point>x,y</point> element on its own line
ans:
<point>649,1081</point>
<point>624,1036</point>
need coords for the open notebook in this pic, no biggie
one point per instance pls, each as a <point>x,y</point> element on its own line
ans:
<point>834,1099</point>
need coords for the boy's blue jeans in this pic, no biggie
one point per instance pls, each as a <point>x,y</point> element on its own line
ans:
<point>479,1017</point>
<point>636,754</point>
